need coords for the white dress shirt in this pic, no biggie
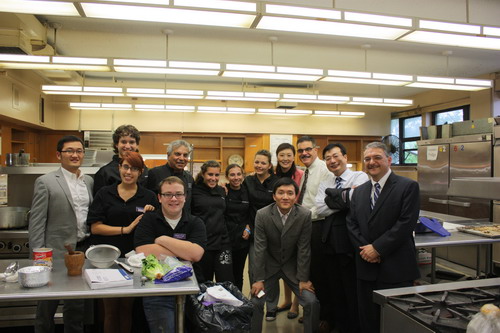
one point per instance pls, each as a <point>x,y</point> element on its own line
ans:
<point>349,179</point>
<point>318,172</point>
<point>284,217</point>
<point>81,201</point>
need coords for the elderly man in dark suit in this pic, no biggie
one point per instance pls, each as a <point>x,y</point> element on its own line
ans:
<point>58,215</point>
<point>383,215</point>
<point>283,251</point>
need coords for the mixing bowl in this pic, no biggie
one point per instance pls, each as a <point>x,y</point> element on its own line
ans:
<point>34,276</point>
<point>103,255</point>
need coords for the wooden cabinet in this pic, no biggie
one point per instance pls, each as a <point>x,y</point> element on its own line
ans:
<point>15,138</point>
<point>215,147</point>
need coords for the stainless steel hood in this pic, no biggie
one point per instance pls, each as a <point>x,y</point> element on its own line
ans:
<point>478,187</point>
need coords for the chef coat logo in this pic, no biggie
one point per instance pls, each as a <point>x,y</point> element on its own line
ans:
<point>180,236</point>
<point>225,258</point>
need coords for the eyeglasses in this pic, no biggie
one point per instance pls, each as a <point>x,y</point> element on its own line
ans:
<point>128,167</point>
<point>171,195</point>
<point>71,151</point>
<point>375,158</point>
<point>307,150</point>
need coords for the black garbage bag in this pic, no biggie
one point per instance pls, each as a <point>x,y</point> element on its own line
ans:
<point>219,317</point>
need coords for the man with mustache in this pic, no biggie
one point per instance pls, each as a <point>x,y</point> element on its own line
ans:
<point>178,152</point>
<point>381,220</point>
<point>315,173</point>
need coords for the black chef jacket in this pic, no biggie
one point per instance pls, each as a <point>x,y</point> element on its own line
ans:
<point>260,194</point>
<point>109,208</point>
<point>237,216</point>
<point>109,175</point>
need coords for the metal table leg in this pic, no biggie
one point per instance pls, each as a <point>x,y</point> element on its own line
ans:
<point>478,262</point>
<point>180,300</point>
<point>433,265</point>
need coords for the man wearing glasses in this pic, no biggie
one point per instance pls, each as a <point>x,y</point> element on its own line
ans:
<point>170,231</point>
<point>178,152</point>
<point>58,215</point>
<point>315,173</point>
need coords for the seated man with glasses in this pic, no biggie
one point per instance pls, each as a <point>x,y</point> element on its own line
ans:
<point>173,232</point>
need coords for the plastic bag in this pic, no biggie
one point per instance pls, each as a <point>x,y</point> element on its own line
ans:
<point>175,270</point>
<point>485,321</point>
<point>219,317</point>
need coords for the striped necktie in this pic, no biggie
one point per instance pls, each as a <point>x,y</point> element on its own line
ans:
<point>338,182</point>
<point>376,193</point>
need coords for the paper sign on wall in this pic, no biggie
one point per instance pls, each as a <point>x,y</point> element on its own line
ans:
<point>432,153</point>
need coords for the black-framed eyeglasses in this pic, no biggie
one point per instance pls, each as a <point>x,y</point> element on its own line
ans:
<point>72,151</point>
<point>128,167</point>
<point>307,150</point>
<point>171,195</point>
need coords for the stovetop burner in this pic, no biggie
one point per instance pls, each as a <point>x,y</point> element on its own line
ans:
<point>446,311</point>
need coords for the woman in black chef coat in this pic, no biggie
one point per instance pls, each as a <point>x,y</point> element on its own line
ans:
<point>113,215</point>
<point>260,193</point>
<point>237,220</point>
<point>209,204</point>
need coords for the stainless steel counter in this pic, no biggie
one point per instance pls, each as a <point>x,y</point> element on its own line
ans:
<point>42,170</point>
<point>62,286</point>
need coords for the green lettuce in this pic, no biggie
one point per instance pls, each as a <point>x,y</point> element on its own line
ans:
<point>151,268</point>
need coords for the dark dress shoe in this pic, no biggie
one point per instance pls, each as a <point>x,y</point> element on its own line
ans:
<point>292,315</point>
<point>284,308</point>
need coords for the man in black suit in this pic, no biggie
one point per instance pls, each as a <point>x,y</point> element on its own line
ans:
<point>383,215</point>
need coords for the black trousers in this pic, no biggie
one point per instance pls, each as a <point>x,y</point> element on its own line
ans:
<point>218,263</point>
<point>318,274</point>
<point>369,311</point>
<point>239,259</point>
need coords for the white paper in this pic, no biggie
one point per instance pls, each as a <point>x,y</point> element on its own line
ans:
<point>220,294</point>
<point>275,140</point>
<point>432,153</point>
<point>107,278</point>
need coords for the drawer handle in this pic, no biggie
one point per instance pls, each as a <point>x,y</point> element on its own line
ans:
<point>439,201</point>
<point>459,203</point>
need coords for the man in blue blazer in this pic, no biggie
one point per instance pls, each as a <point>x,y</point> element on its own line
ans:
<point>383,215</point>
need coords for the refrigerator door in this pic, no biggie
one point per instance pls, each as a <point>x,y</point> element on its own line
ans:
<point>433,177</point>
<point>470,159</point>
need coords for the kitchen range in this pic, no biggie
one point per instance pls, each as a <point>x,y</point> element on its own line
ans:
<point>443,308</point>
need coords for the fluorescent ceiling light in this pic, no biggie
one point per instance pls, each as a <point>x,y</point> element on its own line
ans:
<point>65,67</point>
<point>368,99</point>
<point>271,76</point>
<point>152,2</point>
<point>79,60</point>
<point>225,93</point>
<point>24,58</point>
<point>452,27</point>
<point>145,91</point>
<point>364,81</point>
<point>491,31</point>
<point>103,89</point>
<point>398,77</point>
<point>218,4</point>
<point>261,95</point>
<point>351,113</point>
<point>39,7</point>
<point>61,88</point>
<point>378,19</point>
<point>432,79</point>
<point>167,15</point>
<point>164,96</point>
<point>100,106</point>
<point>192,64</point>
<point>303,11</point>
<point>178,71</point>
<point>366,75</point>
<point>300,96</point>
<point>297,70</point>
<point>326,113</point>
<point>301,112</point>
<point>184,92</point>
<point>334,98</point>
<point>438,38</point>
<point>164,108</point>
<point>271,111</point>
<point>473,82</point>
<point>444,86</point>
<point>139,63</point>
<point>81,93</point>
<point>398,101</point>
<point>250,68</point>
<point>329,28</point>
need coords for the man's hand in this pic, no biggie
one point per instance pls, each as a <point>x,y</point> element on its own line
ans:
<point>306,286</point>
<point>246,234</point>
<point>368,253</point>
<point>257,287</point>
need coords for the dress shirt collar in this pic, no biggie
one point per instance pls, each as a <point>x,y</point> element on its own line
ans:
<point>345,175</point>
<point>70,176</point>
<point>382,180</point>
<point>284,217</point>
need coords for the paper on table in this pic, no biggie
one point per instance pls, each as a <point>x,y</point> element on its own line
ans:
<point>107,278</point>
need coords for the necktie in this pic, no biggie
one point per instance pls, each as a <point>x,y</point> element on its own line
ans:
<point>283,219</point>
<point>338,182</point>
<point>376,193</point>
<point>303,189</point>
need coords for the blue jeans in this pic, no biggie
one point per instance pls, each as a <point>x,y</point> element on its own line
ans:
<point>160,313</point>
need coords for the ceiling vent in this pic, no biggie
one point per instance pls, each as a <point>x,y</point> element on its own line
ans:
<point>286,105</point>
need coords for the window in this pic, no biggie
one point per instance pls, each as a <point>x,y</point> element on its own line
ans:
<point>408,131</point>
<point>450,116</point>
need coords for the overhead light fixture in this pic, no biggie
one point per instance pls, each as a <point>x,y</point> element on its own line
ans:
<point>222,109</point>
<point>428,37</point>
<point>379,19</point>
<point>451,27</point>
<point>367,78</point>
<point>53,62</point>
<point>450,83</point>
<point>100,106</point>
<point>168,15</point>
<point>39,7</point>
<point>218,4</point>
<point>164,108</point>
<point>271,76</point>
<point>304,11</point>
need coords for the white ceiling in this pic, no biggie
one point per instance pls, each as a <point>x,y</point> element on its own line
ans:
<point>145,40</point>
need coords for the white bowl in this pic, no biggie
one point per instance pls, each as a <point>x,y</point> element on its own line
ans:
<point>103,255</point>
<point>34,276</point>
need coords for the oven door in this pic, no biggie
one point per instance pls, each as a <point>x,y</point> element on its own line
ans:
<point>393,320</point>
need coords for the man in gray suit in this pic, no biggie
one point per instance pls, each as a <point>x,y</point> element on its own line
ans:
<point>283,251</point>
<point>58,215</point>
